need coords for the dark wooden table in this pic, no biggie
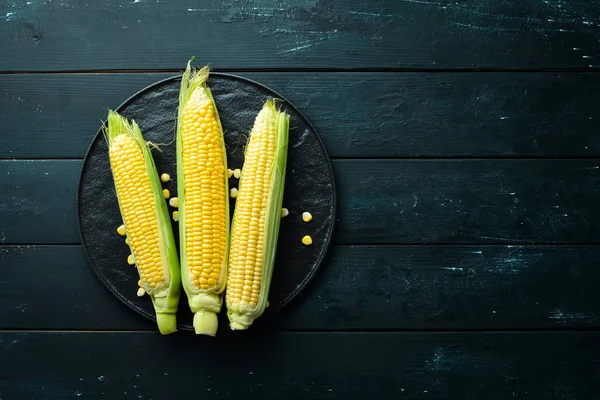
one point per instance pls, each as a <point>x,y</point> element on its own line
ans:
<point>465,142</point>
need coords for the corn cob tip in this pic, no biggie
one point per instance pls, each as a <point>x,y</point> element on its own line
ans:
<point>167,323</point>
<point>206,323</point>
<point>239,322</point>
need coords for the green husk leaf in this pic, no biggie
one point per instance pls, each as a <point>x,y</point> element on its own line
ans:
<point>272,220</point>
<point>205,304</point>
<point>165,299</point>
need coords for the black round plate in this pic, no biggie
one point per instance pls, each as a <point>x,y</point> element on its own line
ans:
<point>309,187</point>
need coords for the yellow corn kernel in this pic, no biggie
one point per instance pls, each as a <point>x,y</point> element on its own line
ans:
<point>166,193</point>
<point>284,212</point>
<point>233,193</point>
<point>145,218</point>
<point>121,230</point>
<point>307,240</point>
<point>229,173</point>
<point>175,216</point>
<point>139,216</point>
<point>174,202</point>
<point>127,241</point>
<point>306,216</point>
<point>256,217</point>
<point>203,191</point>
<point>164,178</point>
<point>237,173</point>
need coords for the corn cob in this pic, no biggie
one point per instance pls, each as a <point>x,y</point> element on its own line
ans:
<point>145,217</point>
<point>256,218</point>
<point>203,200</point>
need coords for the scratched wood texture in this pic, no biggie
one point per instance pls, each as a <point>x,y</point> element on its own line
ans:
<point>395,201</point>
<point>359,288</point>
<point>406,115</point>
<point>470,366</point>
<point>149,34</point>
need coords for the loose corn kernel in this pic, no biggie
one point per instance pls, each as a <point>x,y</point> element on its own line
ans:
<point>233,193</point>
<point>284,212</point>
<point>306,216</point>
<point>165,178</point>
<point>307,240</point>
<point>141,292</point>
<point>174,202</point>
<point>121,230</point>
<point>175,216</point>
<point>229,173</point>
<point>130,259</point>
<point>237,173</point>
<point>166,193</point>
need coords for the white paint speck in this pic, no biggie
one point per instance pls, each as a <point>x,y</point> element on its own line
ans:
<point>494,312</point>
<point>576,49</point>
<point>453,268</point>
<point>506,117</point>
<point>101,378</point>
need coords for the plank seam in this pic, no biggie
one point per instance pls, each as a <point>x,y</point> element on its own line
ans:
<point>592,70</point>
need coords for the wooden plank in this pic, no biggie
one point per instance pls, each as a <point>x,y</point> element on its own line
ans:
<point>469,366</point>
<point>358,288</point>
<point>379,201</point>
<point>38,201</point>
<point>55,288</point>
<point>357,115</point>
<point>303,34</point>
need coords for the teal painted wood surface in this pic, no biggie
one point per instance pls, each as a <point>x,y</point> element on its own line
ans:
<point>466,151</point>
